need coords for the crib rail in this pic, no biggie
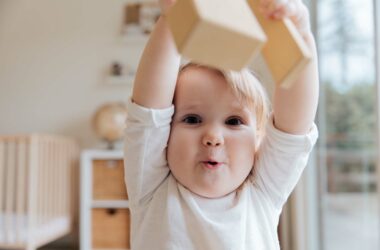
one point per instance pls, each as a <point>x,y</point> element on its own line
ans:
<point>36,186</point>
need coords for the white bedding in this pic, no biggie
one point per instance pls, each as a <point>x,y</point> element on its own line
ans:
<point>13,229</point>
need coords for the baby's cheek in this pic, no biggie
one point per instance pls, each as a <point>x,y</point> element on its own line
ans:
<point>248,147</point>
<point>180,141</point>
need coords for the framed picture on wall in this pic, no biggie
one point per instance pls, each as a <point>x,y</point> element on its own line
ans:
<point>140,18</point>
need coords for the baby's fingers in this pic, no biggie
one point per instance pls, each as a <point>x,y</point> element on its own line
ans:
<point>272,5</point>
<point>166,4</point>
<point>278,9</point>
<point>295,10</point>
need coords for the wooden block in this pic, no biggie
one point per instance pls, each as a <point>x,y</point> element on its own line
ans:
<point>110,228</point>
<point>108,180</point>
<point>222,34</point>
<point>285,52</point>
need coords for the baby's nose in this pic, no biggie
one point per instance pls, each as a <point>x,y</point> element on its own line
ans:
<point>213,138</point>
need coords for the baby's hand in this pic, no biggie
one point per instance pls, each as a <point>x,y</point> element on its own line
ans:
<point>295,10</point>
<point>166,4</point>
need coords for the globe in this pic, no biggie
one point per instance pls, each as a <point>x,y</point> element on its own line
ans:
<point>109,122</point>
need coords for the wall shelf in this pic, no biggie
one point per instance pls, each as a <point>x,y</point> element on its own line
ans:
<point>126,80</point>
<point>134,35</point>
<point>110,204</point>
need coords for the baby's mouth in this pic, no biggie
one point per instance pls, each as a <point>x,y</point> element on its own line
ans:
<point>211,164</point>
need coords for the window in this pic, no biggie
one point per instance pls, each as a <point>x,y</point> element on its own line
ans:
<point>347,149</point>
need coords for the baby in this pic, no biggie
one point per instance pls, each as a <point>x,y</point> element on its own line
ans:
<point>207,166</point>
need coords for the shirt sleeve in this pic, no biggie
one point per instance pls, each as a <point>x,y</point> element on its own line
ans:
<point>280,162</point>
<point>146,136</point>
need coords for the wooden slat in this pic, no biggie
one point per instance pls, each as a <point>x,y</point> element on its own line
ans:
<point>56,166</point>
<point>66,184</point>
<point>71,180</point>
<point>33,187</point>
<point>45,180</point>
<point>63,159</point>
<point>38,184</point>
<point>21,187</point>
<point>10,190</point>
<point>52,179</point>
<point>49,180</point>
<point>60,174</point>
<point>41,184</point>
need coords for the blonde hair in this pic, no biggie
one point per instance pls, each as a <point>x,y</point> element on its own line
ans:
<point>248,89</point>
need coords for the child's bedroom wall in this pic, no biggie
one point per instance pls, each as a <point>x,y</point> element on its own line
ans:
<point>54,58</point>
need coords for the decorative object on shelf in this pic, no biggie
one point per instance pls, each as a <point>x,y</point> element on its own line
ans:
<point>120,80</point>
<point>120,74</point>
<point>109,122</point>
<point>140,18</point>
<point>116,69</point>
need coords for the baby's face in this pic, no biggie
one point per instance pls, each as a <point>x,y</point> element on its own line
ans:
<point>212,140</point>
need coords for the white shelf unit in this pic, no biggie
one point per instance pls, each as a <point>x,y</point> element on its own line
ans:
<point>89,205</point>
<point>126,80</point>
<point>134,35</point>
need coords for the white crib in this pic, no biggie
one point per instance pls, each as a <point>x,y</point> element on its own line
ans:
<point>36,189</point>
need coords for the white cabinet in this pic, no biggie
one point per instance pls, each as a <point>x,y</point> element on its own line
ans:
<point>104,214</point>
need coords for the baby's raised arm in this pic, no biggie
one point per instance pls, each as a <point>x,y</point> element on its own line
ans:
<point>158,68</point>
<point>295,108</point>
<point>285,151</point>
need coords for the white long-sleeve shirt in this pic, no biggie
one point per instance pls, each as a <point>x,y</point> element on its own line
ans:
<point>165,215</point>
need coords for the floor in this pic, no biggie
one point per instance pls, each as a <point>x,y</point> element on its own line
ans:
<point>65,243</point>
<point>351,221</point>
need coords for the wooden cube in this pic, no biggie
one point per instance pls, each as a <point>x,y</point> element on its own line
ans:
<point>285,52</point>
<point>222,34</point>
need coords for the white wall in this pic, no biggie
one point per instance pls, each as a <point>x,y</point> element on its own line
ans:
<point>54,57</point>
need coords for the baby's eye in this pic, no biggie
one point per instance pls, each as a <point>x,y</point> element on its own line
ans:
<point>234,121</point>
<point>192,119</point>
